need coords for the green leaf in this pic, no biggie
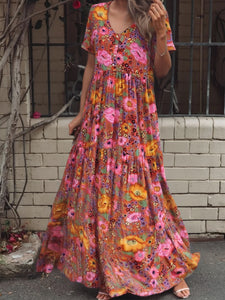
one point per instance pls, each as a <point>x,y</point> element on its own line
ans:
<point>144,236</point>
<point>143,203</point>
<point>104,171</point>
<point>129,253</point>
<point>157,258</point>
<point>188,254</point>
<point>128,197</point>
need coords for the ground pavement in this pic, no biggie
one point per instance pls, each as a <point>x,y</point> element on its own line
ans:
<point>206,283</point>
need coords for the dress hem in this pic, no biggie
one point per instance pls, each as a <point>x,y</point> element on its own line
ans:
<point>127,291</point>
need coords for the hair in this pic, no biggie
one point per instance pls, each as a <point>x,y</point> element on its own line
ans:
<point>139,11</point>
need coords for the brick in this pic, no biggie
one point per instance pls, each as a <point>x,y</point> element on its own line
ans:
<point>191,199</point>
<point>191,128</point>
<point>222,213</point>
<point>27,198</point>
<point>44,198</point>
<point>216,200</point>
<point>32,186</point>
<point>62,128</point>
<point>55,159</point>
<point>179,128</point>
<point>215,226</point>
<point>176,146</point>
<point>32,212</point>
<point>43,146</point>
<point>168,160</point>
<point>197,160</point>
<point>3,133</point>
<point>178,186</point>
<point>32,224</point>
<point>199,146</point>
<point>19,147</point>
<point>20,173</point>
<point>187,173</point>
<point>219,128</point>
<point>35,224</point>
<point>24,67</point>
<point>26,119</point>
<point>50,131</point>
<point>217,173</point>
<point>32,160</point>
<point>217,146</point>
<point>185,213</point>
<point>166,128</point>
<point>206,127</point>
<point>161,145</point>
<point>204,186</point>
<point>195,226</point>
<point>64,146</point>
<point>44,173</point>
<point>5,107</point>
<point>222,188</point>
<point>37,134</point>
<point>61,172</point>
<point>223,161</point>
<point>5,82</point>
<point>24,107</point>
<point>52,186</point>
<point>204,213</point>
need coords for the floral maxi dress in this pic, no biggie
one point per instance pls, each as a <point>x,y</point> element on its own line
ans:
<point>114,222</point>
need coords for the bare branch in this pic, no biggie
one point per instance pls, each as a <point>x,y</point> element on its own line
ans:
<point>41,123</point>
<point>12,20</point>
<point>9,49</point>
<point>17,52</point>
<point>32,15</point>
<point>45,121</point>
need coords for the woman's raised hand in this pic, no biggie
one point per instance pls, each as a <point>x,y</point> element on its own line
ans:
<point>158,14</point>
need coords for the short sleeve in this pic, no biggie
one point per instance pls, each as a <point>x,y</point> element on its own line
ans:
<point>88,41</point>
<point>170,43</point>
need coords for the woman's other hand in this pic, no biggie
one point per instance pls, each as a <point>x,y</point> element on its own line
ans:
<point>75,123</point>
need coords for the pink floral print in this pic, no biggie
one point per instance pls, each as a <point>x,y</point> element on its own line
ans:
<point>114,221</point>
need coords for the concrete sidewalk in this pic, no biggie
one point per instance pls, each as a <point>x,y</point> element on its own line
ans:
<point>206,283</point>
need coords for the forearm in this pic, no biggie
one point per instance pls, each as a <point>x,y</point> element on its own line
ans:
<point>87,77</point>
<point>162,63</point>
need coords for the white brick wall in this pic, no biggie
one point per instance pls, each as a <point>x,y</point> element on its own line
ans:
<point>197,178</point>
<point>194,160</point>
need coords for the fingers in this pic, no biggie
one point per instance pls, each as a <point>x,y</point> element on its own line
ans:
<point>160,4</point>
<point>155,11</point>
<point>158,13</point>
<point>158,9</point>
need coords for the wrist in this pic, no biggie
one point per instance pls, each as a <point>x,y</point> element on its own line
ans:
<point>80,114</point>
<point>161,36</point>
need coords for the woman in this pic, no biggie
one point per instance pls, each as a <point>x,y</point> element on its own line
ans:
<point>114,224</point>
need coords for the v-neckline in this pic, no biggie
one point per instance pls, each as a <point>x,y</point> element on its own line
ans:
<point>133,25</point>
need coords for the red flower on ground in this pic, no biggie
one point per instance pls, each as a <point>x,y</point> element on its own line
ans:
<point>76,4</point>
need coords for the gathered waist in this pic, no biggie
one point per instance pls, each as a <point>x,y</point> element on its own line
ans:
<point>120,71</point>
